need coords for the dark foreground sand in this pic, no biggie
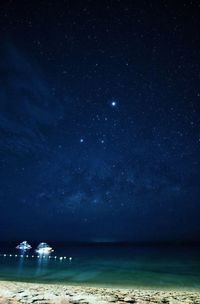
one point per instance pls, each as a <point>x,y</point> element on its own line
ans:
<point>15,292</point>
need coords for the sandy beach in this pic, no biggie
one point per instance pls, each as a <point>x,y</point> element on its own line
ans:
<point>17,292</point>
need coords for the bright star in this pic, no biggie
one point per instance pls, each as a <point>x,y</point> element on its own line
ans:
<point>81,140</point>
<point>113,103</point>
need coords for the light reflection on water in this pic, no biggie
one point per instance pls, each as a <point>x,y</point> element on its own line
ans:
<point>21,262</point>
<point>108,266</point>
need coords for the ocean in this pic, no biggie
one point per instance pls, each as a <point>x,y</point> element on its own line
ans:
<point>106,265</point>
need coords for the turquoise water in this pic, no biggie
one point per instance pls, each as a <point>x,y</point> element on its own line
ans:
<point>120,266</point>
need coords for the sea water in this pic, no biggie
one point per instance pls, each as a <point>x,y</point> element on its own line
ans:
<point>106,265</point>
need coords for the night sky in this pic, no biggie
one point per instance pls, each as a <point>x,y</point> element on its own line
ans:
<point>100,120</point>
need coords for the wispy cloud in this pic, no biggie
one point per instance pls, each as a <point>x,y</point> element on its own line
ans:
<point>27,106</point>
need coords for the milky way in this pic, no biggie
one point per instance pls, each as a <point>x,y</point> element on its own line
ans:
<point>99,121</point>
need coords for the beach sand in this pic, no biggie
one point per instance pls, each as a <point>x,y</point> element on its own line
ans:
<point>17,292</point>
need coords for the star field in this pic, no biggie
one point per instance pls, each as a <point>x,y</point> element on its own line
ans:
<point>100,120</point>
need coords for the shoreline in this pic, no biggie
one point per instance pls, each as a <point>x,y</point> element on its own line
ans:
<point>13,292</point>
<point>103,286</point>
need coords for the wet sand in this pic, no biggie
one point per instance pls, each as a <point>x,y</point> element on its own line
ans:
<point>17,292</point>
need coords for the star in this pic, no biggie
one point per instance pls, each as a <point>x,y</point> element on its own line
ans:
<point>81,140</point>
<point>113,103</point>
